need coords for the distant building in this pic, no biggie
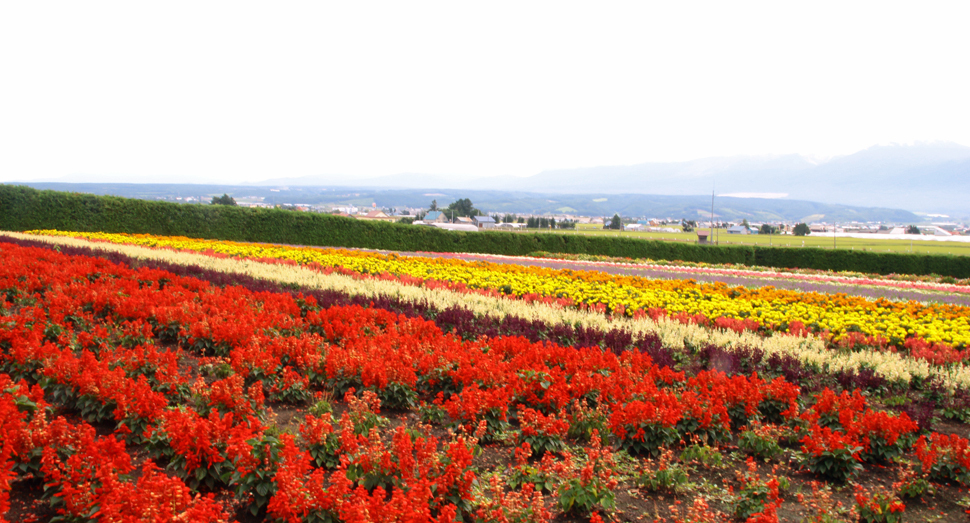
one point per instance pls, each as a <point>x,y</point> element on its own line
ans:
<point>484,222</point>
<point>456,226</point>
<point>376,214</point>
<point>436,217</point>
<point>738,229</point>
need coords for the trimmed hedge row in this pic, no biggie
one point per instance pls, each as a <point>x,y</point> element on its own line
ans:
<point>23,208</point>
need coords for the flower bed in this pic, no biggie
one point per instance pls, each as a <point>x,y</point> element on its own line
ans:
<point>99,339</point>
<point>837,316</point>
<point>538,320</point>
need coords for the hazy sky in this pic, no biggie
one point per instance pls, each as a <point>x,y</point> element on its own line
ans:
<point>237,91</point>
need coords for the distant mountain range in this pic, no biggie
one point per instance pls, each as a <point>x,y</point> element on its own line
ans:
<point>881,183</point>
<point>928,177</point>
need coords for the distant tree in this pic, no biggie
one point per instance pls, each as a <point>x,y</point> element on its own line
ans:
<point>688,225</point>
<point>462,207</point>
<point>225,199</point>
<point>552,223</point>
<point>408,220</point>
<point>508,218</point>
<point>744,223</point>
<point>520,219</point>
<point>767,229</point>
<point>912,229</point>
<point>616,223</point>
<point>566,224</point>
<point>532,223</point>
<point>801,230</point>
<point>434,205</point>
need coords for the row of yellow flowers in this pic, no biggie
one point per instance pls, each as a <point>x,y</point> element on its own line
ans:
<point>773,308</point>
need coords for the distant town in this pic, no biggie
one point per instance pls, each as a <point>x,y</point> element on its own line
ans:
<point>474,219</point>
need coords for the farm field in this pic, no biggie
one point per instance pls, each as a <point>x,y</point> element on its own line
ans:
<point>272,383</point>
<point>874,244</point>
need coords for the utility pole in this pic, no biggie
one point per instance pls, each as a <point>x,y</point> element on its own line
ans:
<point>712,210</point>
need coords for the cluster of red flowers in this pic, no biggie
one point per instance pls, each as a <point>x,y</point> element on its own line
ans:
<point>844,422</point>
<point>936,353</point>
<point>86,474</point>
<point>944,457</point>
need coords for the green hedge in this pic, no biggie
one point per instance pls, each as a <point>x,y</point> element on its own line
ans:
<point>23,208</point>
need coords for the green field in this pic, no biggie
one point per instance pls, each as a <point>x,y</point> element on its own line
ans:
<point>875,244</point>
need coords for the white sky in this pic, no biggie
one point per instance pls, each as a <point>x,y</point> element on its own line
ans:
<point>241,91</point>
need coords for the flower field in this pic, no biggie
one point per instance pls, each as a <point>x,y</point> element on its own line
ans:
<point>267,383</point>
<point>945,328</point>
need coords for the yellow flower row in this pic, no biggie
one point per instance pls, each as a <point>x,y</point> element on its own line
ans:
<point>770,307</point>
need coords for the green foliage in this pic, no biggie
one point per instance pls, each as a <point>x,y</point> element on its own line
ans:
<point>225,199</point>
<point>326,453</point>
<point>616,223</point>
<point>912,229</point>
<point>583,421</point>
<point>462,207</point>
<point>542,443</point>
<point>320,408</point>
<point>838,464</point>
<point>397,396</point>
<point>705,455</point>
<point>801,230</point>
<point>759,445</point>
<point>671,479</point>
<point>913,483</point>
<point>578,497</point>
<point>24,208</point>
<point>543,479</point>
<point>432,414</point>
<point>664,475</point>
<point>880,451</point>
<point>651,441</point>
